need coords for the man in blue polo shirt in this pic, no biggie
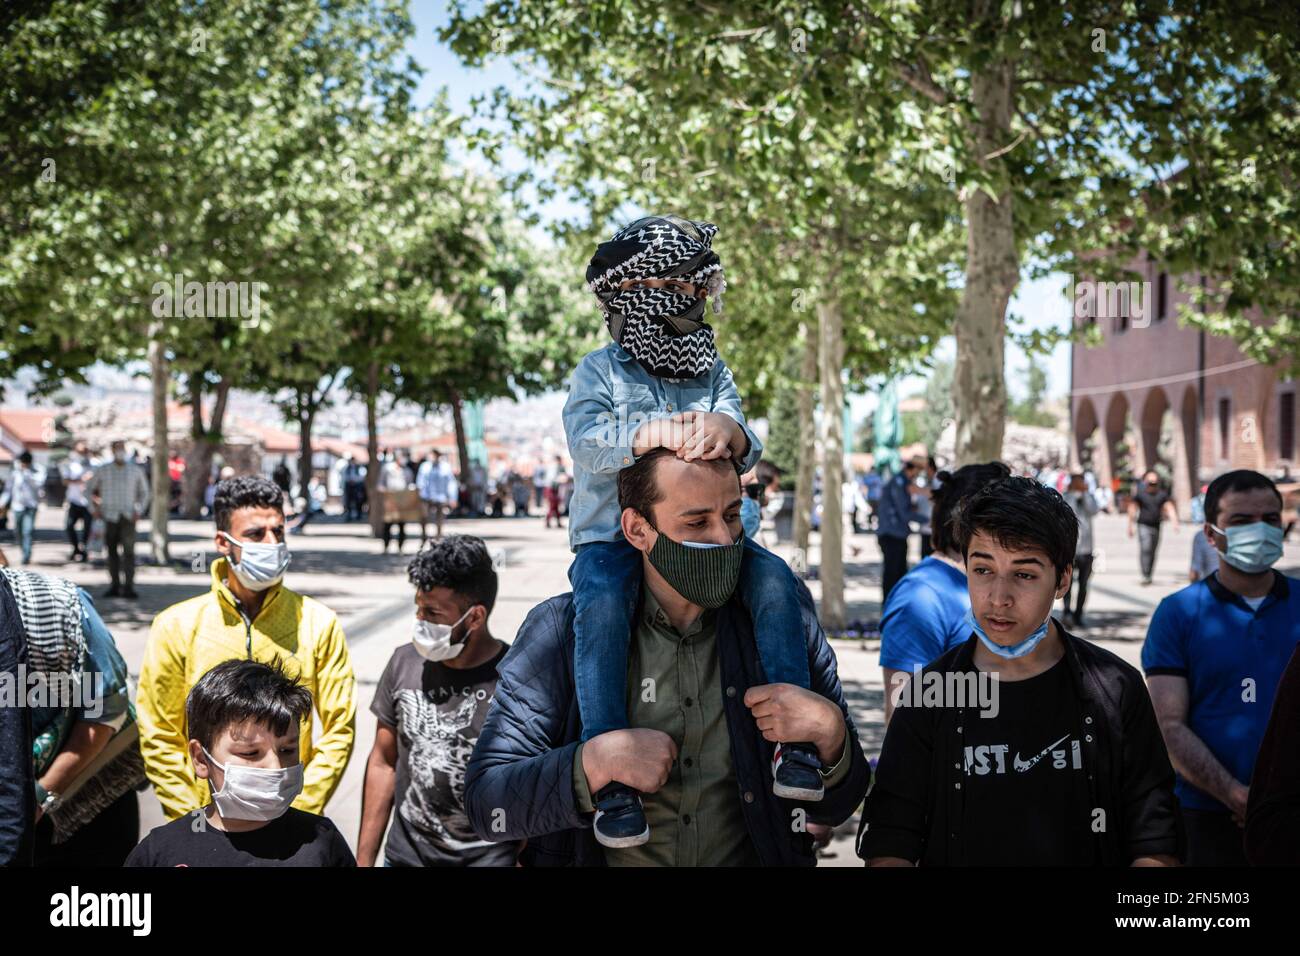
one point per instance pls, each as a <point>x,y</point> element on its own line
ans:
<point>1214,655</point>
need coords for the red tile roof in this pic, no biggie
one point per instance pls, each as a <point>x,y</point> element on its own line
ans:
<point>34,427</point>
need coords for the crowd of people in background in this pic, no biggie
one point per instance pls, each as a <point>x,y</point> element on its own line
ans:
<point>681,704</point>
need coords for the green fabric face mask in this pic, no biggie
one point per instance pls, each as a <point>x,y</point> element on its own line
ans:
<point>704,574</point>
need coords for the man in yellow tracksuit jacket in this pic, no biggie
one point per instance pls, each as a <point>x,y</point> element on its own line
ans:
<point>245,616</point>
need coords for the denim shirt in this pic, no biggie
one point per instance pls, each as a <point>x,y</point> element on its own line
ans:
<point>896,509</point>
<point>611,395</point>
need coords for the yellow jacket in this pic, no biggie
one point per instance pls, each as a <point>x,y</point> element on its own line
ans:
<point>190,638</point>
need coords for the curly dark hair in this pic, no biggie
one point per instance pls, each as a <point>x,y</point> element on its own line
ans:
<point>1018,512</point>
<point>459,562</point>
<point>244,491</point>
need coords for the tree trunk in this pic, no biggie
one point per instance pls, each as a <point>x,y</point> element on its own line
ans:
<point>306,420</point>
<point>198,465</point>
<point>830,323</point>
<point>372,449</point>
<point>160,477</point>
<point>992,271</point>
<point>462,446</point>
<point>804,476</point>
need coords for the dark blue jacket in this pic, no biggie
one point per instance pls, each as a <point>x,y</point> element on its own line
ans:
<point>519,784</point>
<point>17,789</point>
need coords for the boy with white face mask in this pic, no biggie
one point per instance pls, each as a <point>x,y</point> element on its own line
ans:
<point>431,703</point>
<point>247,612</point>
<point>1024,746</point>
<point>243,718</point>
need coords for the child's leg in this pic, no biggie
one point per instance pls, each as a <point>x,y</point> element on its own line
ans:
<point>771,596</point>
<point>606,579</point>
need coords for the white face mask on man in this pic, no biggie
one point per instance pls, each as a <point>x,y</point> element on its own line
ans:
<point>260,566</point>
<point>433,641</point>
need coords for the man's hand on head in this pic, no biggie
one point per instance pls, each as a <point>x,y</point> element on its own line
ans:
<point>709,435</point>
<point>790,714</point>
<point>639,757</point>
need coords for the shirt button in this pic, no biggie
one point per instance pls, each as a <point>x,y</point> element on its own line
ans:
<point>958,730</point>
<point>1087,720</point>
<point>1088,737</point>
<point>731,692</point>
<point>627,460</point>
<point>688,703</point>
<point>956,766</point>
<point>749,796</point>
<point>670,407</point>
<point>686,819</point>
<point>957,786</point>
<point>689,762</point>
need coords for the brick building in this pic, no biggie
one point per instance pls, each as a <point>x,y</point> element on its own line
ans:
<point>1154,394</point>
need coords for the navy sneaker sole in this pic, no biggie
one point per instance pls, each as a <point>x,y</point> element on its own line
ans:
<point>618,842</point>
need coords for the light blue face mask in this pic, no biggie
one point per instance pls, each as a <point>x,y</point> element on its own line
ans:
<point>1015,650</point>
<point>1252,548</point>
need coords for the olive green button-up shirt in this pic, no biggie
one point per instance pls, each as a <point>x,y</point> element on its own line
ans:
<point>674,685</point>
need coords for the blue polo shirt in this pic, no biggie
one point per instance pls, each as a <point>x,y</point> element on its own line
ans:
<point>924,616</point>
<point>1211,636</point>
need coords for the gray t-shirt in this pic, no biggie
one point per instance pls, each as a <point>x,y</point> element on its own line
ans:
<point>437,713</point>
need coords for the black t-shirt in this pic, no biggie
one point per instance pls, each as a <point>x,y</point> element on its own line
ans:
<point>1026,786</point>
<point>1150,504</point>
<point>437,712</point>
<point>298,838</point>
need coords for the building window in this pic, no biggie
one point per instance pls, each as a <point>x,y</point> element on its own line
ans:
<point>1162,296</point>
<point>1225,427</point>
<point>1286,426</point>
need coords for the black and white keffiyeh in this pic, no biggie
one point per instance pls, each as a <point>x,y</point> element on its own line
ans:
<point>647,322</point>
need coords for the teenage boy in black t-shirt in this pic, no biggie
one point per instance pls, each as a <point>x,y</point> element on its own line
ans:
<point>243,718</point>
<point>1024,746</point>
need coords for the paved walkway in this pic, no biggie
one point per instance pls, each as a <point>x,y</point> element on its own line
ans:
<point>341,565</point>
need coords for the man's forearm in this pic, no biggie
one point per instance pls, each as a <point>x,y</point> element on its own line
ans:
<point>376,808</point>
<point>1197,765</point>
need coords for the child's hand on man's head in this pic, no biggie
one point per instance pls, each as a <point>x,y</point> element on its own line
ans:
<point>660,433</point>
<point>708,435</point>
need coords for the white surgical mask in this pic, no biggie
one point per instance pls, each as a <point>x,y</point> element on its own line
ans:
<point>260,565</point>
<point>255,793</point>
<point>1252,548</point>
<point>433,641</point>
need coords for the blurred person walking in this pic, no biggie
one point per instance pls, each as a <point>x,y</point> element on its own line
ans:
<point>120,495</point>
<point>21,498</point>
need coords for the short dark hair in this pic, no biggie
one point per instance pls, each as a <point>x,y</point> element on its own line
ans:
<point>459,562</point>
<point>951,491</point>
<point>639,490</point>
<point>238,690</point>
<point>25,457</point>
<point>244,491</point>
<point>1018,512</point>
<point>1243,479</point>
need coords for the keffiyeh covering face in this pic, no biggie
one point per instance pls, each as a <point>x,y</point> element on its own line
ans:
<point>663,329</point>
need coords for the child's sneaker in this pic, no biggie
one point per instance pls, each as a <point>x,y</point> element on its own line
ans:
<point>796,772</point>
<point>620,820</point>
